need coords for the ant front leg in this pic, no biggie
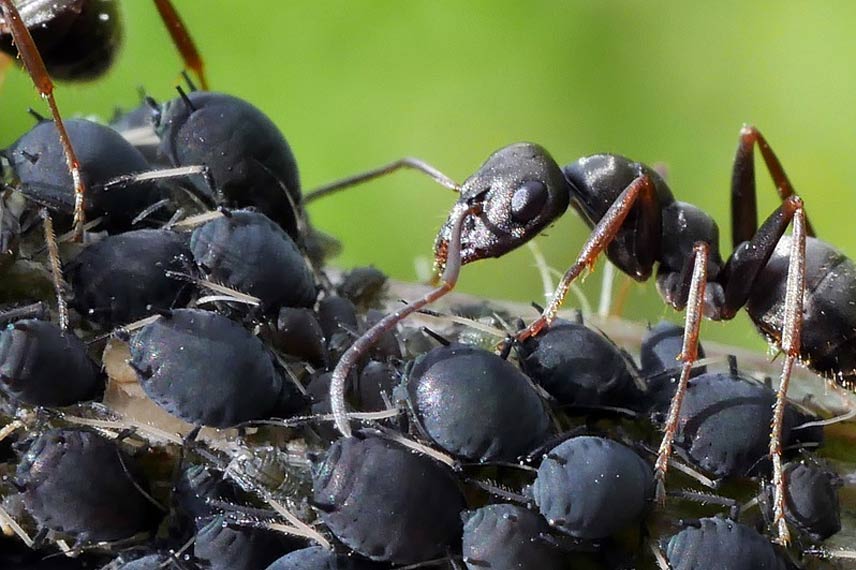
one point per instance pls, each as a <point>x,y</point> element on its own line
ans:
<point>32,60</point>
<point>744,207</point>
<point>373,335</point>
<point>604,232</point>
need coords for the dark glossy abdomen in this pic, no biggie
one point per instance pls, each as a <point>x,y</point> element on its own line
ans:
<point>829,311</point>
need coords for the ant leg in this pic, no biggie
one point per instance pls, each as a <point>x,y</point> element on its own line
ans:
<point>32,60</point>
<point>374,334</point>
<point>744,208</point>
<point>790,345</point>
<point>745,263</point>
<point>602,235</point>
<point>693,297</point>
<point>406,162</point>
<point>56,268</point>
<point>182,40</point>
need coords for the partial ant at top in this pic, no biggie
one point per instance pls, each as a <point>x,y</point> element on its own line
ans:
<point>77,40</point>
<point>797,289</point>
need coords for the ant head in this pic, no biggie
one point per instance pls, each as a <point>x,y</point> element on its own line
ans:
<point>520,190</point>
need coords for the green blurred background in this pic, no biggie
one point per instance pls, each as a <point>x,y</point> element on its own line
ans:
<point>356,84</point>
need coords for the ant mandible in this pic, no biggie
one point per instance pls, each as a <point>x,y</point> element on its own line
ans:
<point>634,217</point>
<point>86,14</point>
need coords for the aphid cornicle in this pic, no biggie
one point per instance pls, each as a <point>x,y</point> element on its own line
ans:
<point>636,221</point>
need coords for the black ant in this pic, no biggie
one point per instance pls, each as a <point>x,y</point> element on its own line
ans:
<point>84,51</point>
<point>634,217</point>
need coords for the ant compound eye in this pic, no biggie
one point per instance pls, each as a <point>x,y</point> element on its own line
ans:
<point>528,201</point>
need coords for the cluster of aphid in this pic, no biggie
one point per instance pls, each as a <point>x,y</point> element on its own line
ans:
<point>192,274</point>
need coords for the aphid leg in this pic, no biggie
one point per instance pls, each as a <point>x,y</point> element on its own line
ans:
<point>692,296</point>
<point>37,310</point>
<point>56,268</point>
<point>790,345</point>
<point>374,334</point>
<point>603,233</point>
<point>406,162</point>
<point>209,199</point>
<point>6,521</point>
<point>32,60</point>
<point>744,208</point>
<point>182,40</point>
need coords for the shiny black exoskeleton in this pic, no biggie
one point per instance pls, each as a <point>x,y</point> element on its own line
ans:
<point>250,161</point>
<point>386,502</point>
<point>590,487</point>
<point>475,405</point>
<point>78,39</point>
<point>76,482</point>
<point>208,370</point>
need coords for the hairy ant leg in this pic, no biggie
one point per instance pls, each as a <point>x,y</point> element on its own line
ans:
<point>602,235</point>
<point>691,296</point>
<point>182,39</point>
<point>744,207</point>
<point>452,269</point>
<point>32,60</point>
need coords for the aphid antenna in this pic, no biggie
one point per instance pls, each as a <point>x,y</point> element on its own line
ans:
<point>138,487</point>
<point>7,520</point>
<point>427,563</point>
<point>10,428</point>
<point>604,305</point>
<point>543,269</point>
<point>149,210</point>
<point>684,468</point>
<point>292,377</point>
<point>297,421</point>
<point>37,310</point>
<point>111,428</point>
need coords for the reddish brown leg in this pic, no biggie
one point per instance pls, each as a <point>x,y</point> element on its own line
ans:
<point>374,334</point>
<point>744,207</point>
<point>790,345</point>
<point>602,234</point>
<point>182,40</point>
<point>32,60</point>
<point>689,354</point>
